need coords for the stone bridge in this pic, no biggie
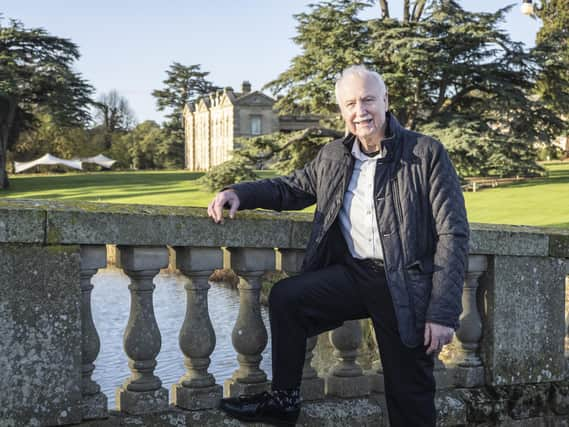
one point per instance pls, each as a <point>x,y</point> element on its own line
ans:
<point>507,365</point>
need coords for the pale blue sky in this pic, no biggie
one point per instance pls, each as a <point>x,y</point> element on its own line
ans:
<point>127,45</point>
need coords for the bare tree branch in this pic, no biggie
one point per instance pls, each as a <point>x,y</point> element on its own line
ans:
<point>406,11</point>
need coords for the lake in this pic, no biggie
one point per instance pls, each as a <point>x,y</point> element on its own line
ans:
<point>111,305</point>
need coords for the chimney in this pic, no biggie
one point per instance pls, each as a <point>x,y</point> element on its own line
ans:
<point>245,87</point>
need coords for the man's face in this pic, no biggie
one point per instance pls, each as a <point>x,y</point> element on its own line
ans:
<point>363,105</point>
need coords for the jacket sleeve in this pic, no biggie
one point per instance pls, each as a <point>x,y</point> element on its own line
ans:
<point>292,192</point>
<point>451,240</point>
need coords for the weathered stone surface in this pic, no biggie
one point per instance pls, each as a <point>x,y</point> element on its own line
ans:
<point>559,398</point>
<point>232,388</point>
<point>196,398</point>
<point>141,402</point>
<point>337,413</point>
<point>524,328</point>
<point>508,240</point>
<point>529,401</point>
<point>40,335</point>
<point>23,225</point>
<point>451,410</point>
<point>347,386</point>
<point>157,225</point>
<point>99,223</point>
<point>559,244</point>
<point>94,406</point>
<point>312,389</point>
<point>483,407</point>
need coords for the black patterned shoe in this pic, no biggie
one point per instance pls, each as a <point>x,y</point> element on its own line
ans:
<point>262,407</point>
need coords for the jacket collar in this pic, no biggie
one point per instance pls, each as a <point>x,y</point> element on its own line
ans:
<point>389,145</point>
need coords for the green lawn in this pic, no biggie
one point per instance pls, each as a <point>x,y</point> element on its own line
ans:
<point>541,202</point>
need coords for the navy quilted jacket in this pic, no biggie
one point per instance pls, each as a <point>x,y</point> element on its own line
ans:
<point>421,218</point>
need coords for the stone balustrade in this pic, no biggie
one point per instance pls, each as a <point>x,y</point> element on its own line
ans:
<point>506,365</point>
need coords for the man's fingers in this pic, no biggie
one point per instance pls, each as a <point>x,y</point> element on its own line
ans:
<point>234,205</point>
<point>218,209</point>
<point>427,335</point>
<point>215,208</point>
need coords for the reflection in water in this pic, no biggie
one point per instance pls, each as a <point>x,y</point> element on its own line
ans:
<point>111,305</point>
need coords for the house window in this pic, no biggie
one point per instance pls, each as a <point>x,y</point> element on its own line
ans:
<point>255,125</point>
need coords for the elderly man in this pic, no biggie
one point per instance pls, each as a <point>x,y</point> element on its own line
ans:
<point>389,241</point>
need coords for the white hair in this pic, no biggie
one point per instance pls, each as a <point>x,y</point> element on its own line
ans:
<point>361,71</point>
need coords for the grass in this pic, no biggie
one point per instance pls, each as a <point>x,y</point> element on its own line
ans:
<point>539,202</point>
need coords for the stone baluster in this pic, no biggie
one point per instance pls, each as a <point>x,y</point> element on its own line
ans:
<point>197,388</point>
<point>94,403</point>
<point>142,392</point>
<point>470,371</point>
<point>347,379</point>
<point>249,335</point>
<point>312,386</point>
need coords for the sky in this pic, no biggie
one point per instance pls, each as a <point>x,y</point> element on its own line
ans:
<point>128,45</point>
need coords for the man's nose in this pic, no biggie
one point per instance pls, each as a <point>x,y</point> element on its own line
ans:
<point>360,110</point>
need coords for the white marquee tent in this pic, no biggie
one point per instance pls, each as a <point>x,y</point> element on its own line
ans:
<point>100,160</point>
<point>48,159</point>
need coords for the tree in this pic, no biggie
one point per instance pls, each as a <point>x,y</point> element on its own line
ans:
<point>552,55</point>
<point>36,76</point>
<point>48,137</point>
<point>447,69</point>
<point>184,84</point>
<point>114,115</point>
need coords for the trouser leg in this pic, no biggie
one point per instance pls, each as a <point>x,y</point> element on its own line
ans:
<point>408,372</point>
<point>303,306</point>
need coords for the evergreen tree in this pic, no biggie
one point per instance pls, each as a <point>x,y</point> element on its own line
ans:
<point>36,76</point>
<point>184,84</point>
<point>449,71</point>
<point>552,55</point>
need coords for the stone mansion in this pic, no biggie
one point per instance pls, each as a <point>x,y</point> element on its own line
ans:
<point>214,121</point>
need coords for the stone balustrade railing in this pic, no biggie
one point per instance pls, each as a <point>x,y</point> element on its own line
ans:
<point>507,361</point>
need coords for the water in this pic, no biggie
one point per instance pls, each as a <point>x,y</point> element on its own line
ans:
<point>111,305</point>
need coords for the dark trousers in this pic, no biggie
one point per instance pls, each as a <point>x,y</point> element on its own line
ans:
<point>311,303</point>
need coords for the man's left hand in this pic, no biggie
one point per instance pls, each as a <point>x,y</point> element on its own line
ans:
<point>436,336</point>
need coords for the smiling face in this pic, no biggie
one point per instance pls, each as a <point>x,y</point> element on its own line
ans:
<point>363,104</point>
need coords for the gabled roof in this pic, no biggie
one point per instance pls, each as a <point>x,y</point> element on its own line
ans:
<point>255,98</point>
<point>202,104</point>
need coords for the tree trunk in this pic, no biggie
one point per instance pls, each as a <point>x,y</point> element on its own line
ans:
<point>384,8</point>
<point>418,8</point>
<point>406,11</point>
<point>7,115</point>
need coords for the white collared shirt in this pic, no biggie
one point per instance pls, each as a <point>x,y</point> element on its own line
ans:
<point>357,216</point>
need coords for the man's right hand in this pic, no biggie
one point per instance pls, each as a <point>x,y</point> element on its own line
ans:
<point>215,208</point>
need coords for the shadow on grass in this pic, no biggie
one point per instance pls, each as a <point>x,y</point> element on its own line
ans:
<point>81,195</point>
<point>101,181</point>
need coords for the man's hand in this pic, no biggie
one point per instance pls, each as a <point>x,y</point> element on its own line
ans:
<point>436,336</point>
<point>215,208</point>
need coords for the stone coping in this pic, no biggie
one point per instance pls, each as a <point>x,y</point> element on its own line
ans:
<point>57,222</point>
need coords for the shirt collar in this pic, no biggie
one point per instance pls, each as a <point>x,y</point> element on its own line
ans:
<point>359,155</point>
